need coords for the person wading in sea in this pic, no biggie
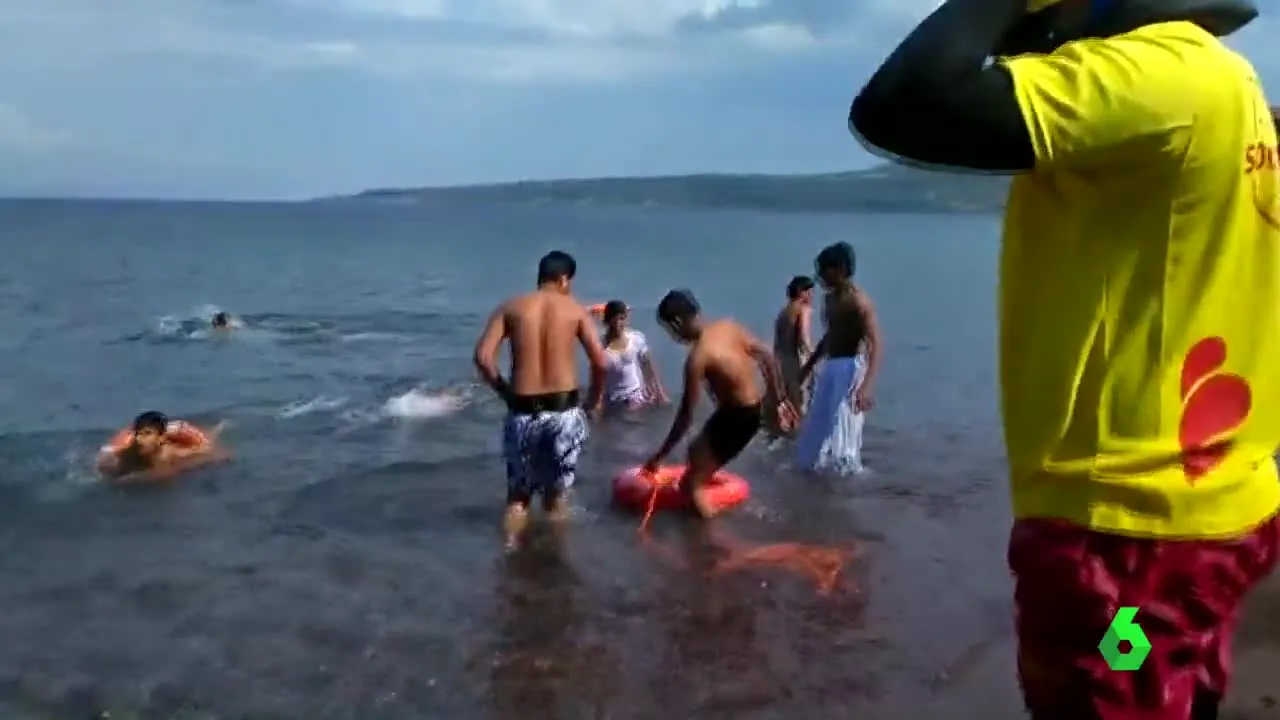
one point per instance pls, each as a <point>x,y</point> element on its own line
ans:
<point>1139,280</point>
<point>545,427</point>
<point>849,353</point>
<point>791,348</point>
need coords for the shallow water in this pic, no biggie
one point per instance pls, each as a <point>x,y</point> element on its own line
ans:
<point>346,563</point>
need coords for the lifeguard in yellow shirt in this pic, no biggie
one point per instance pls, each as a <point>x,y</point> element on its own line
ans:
<point>1139,321</point>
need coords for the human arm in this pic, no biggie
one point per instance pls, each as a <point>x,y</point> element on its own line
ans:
<point>174,462</point>
<point>819,352</point>
<point>176,465</point>
<point>1112,100</point>
<point>108,464</point>
<point>864,393</point>
<point>768,363</point>
<point>804,340</point>
<point>650,370</point>
<point>936,100</point>
<point>485,357</point>
<point>693,373</point>
<point>596,361</point>
<point>207,441</point>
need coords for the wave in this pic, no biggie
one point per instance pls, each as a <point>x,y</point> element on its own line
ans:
<point>416,404</point>
<point>195,325</point>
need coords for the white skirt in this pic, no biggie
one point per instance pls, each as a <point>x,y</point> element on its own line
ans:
<point>831,433</point>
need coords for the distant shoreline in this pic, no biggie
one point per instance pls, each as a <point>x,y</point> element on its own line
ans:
<point>884,189</point>
<point>888,188</point>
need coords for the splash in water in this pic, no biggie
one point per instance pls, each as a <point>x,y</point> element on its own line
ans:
<point>423,405</point>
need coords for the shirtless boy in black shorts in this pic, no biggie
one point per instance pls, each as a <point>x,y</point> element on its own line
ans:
<point>726,357</point>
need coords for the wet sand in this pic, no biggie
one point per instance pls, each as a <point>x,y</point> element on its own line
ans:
<point>987,687</point>
<point>373,594</point>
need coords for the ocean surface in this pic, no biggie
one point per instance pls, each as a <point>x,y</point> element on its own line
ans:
<point>346,563</point>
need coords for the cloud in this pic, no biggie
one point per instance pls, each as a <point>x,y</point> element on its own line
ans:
<point>303,97</point>
<point>20,134</point>
<point>573,18</point>
<point>497,40</point>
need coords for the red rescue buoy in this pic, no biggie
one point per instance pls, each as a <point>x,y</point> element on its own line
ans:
<point>179,432</point>
<point>634,490</point>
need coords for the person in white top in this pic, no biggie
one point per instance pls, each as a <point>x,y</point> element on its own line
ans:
<point>631,380</point>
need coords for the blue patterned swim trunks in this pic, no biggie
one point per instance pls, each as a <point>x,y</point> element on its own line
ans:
<point>542,452</point>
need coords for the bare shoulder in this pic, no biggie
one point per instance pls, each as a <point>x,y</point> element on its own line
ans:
<point>831,302</point>
<point>861,299</point>
<point>504,308</point>
<point>718,331</point>
<point>519,307</point>
<point>705,347</point>
<point>570,311</point>
<point>741,332</point>
<point>748,340</point>
<point>730,334</point>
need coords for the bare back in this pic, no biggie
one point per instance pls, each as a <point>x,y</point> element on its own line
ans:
<point>787,340</point>
<point>544,330</point>
<point>724,353</point>
<point>844,310</point>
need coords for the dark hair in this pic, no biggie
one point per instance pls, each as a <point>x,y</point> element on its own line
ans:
<point>556,265</point>
<point>839,257</point>
<point>613,309</point>
<point>799,284</point>
<point>151,420</point>
<point>678,304</point>
<point>220,319</point>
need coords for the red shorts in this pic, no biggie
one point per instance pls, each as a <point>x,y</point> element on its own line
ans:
<point>1069,583</point>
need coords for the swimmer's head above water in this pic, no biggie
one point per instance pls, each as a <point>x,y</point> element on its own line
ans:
<point>835,265</point>
<point>556,270</point>
<point>680,315</point>
<point>221,321</point>
<point>148,432</point>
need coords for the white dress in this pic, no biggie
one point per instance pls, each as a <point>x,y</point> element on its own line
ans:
<point>624,383</point>
<point>830,436</point>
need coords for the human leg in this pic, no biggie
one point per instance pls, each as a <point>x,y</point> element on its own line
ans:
<point>727,433</point>
<point>700,466</point>
<point>1069,584</point>
<point>563,435</point>
<point>515,450</point>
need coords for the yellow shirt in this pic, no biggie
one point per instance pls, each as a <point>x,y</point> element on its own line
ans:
<point>1140,289</point>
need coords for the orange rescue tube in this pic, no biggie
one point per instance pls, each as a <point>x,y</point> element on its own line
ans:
<point>635,490</point>
<point>180,433</point>
<point>596,309</point>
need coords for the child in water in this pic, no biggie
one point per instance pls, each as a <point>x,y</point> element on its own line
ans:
<point>151,455</point>
<point>726,358</point>
<point>792,347</point>
<point>631,380</point>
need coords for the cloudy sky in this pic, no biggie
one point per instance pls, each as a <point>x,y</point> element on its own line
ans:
<point>293,98</point>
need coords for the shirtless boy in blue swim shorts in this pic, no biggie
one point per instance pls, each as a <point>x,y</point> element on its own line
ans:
<point>546,426</point>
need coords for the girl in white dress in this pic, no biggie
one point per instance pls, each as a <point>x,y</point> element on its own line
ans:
<point>631,380</point>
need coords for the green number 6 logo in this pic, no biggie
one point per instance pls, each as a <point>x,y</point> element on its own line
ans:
<point>1124,629</point>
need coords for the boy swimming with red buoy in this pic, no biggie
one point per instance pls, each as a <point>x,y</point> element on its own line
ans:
<point>726,357</point>
<point>155,449</point>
